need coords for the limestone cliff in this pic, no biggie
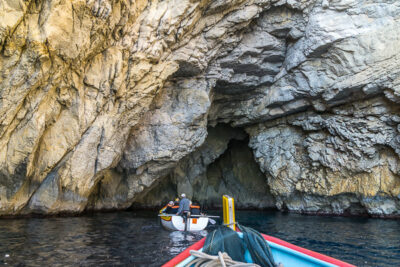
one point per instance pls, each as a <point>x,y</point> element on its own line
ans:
<point>105,103</point>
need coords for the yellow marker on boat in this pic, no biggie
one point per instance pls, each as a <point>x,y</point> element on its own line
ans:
<point>228,204</point>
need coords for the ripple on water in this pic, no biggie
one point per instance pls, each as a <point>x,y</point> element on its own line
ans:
<point>137,238</point>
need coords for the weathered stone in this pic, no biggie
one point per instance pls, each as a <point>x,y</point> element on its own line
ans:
<point>102,100</point>
<point>333,163</point>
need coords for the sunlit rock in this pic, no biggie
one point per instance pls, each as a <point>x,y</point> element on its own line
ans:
<point>101,100</point>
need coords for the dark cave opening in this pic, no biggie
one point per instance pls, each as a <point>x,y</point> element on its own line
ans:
<point>224,164</point>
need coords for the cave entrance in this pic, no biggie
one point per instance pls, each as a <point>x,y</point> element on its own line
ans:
<point>234,173</point>
<point>224,164</point>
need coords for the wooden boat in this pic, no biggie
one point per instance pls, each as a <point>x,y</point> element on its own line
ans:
<point>177,223</point>
<point>283,252</point>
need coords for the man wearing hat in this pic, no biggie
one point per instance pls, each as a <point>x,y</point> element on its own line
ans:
<point>184,206</point>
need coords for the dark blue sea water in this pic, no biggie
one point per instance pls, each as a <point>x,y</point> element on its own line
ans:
<point>137,238</point>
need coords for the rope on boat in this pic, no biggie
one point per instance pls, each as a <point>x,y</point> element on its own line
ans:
<point>223,259</point>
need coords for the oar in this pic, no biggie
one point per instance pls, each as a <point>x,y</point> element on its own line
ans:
<point>191,216</point>
<point>208,216</point>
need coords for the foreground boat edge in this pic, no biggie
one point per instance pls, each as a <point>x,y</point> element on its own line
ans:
<point>184,254</point>
<point>196,246</point>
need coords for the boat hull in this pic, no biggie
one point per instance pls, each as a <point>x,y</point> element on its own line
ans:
<point>177,223</point>
<point>287,254</point>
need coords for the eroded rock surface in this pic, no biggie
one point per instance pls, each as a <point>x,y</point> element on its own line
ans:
<point>101,100</point>
<point>346,161</point>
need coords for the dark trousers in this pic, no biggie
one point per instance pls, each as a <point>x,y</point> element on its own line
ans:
<point>185,214</point>
<point>186,217</point>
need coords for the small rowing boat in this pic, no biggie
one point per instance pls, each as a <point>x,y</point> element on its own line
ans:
<point>178,223</point>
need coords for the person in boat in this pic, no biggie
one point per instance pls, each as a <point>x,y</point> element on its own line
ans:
<point>171,208</point>
<point>184,206</point>
<point>169,205</point>
<point>195,209</point>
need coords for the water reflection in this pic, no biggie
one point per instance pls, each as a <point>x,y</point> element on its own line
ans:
<point>179,240</point>
<point>137,239</point>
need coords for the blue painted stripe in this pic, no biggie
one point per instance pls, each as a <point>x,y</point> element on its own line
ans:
<point>187,260</point>
<point>290,257</point>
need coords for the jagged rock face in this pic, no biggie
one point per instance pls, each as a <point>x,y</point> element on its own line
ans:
<point>78,76</point>
<point>100,100</point>
<point>346,161</point>
<point>346,51</point>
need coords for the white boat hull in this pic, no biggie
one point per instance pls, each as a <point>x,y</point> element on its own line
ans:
<point>177,223</point>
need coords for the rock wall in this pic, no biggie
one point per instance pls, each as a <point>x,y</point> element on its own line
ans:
<point>343,162</point>
<point>102,100</point>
